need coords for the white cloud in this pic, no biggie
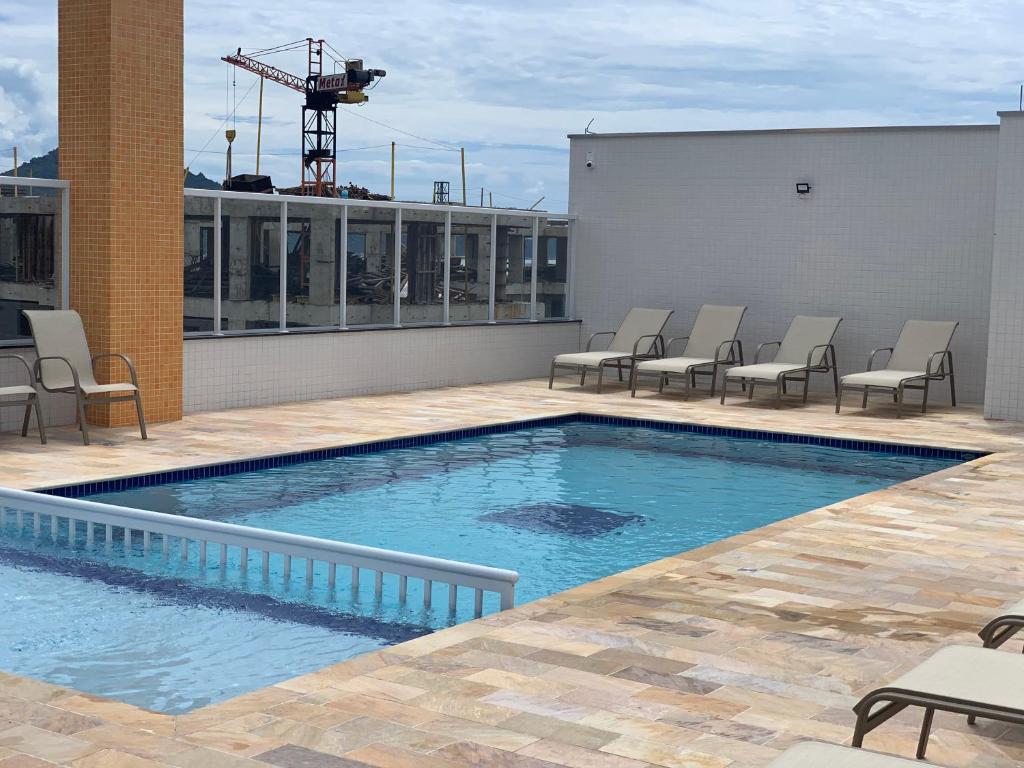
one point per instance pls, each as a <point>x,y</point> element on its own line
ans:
<point>509,80</point>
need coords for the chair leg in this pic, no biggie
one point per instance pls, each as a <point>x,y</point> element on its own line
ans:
<point>632,382</point>
<point>714,378</point>
<point>583,375</point>
<point>82,424</point>
<point>725,387</point>
<point>952,385</point>
<point>899,402</point>
<point>864,400</point>
<point>926,728</point>
<point>600,377</point>
<point>750,392</point>
<point>551,376</point>
<point>807,385</point>
<point>28,415</point>
<point>662,380</point>
<point>839,398</point>
<point>142,418</point>
<point>924,398</point>
<point>39,420</point>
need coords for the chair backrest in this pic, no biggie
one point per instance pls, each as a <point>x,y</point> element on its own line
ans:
<point>803,335</point>
<point>639,322</point>
<point>59,333</point>
<point>714,324</point>
<point>918,341</point>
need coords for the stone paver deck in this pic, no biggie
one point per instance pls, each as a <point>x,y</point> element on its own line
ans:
<point>721,656</point>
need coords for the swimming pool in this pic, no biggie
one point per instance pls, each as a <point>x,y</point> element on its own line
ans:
<point>562,504</point>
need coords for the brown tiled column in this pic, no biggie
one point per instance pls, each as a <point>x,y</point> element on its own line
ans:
<point>120,116</point>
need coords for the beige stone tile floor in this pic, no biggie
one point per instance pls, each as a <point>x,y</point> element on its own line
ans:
<point>721,656</point>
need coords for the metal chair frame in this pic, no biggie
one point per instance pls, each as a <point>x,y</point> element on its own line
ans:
<point>31,402</point>
<point>657,344</point>
<point>82,399</point>
<point>689,376</point>
<point>943,372</point>
<point>802,375</point>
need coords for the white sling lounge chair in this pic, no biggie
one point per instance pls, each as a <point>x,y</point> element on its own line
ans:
<point>811,754</point>
<point>921,355</point>
<point>638,338</point>
<point>1004,626</point>
<point>27,395</point>
<point>806,348</point>
<point>712,343</point>
<point>964,680</point>
<point>64,365</point>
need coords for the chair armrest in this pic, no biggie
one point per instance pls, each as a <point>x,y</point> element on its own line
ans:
<point>668,344</point>
<point>127,361</point>
<point>24,362</point>
<point>942,364</point>
<point>730,344</point>
<point>762,345</point>
<point>871,359</point>
<point>655,338</point>
<point>595,335</point>
<point>37,369</point>
<point>815,348</point>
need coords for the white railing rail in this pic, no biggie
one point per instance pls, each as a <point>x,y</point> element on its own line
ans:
<point>404,565</point>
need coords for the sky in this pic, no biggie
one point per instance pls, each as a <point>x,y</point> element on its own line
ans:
<point>509,80</point>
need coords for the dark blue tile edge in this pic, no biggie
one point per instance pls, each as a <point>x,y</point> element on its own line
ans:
<point>281,460</point>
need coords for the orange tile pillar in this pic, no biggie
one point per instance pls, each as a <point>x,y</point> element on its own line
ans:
<point>120,111</point>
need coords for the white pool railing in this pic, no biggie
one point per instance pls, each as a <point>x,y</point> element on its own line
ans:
<point>479,578</point>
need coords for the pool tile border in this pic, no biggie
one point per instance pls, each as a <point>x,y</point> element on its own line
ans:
<point>222,469</point>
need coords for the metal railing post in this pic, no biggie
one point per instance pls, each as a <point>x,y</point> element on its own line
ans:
<point>398,268</point>
<point>446,312</point>
<point>534,268</point>
<point>492,283</point>
<point>218,262</point>
<point>283,275</point>
<point>65,248</point>
<point>343,270</point>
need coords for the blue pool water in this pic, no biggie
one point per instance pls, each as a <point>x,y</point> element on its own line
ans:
<point>562,505</point>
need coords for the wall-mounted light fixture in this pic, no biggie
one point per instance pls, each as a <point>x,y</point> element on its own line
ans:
<point>803,188</point>
<point>590,159</point>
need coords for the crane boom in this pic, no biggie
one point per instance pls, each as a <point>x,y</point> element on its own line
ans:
<point>262,69</point>
<point>323,92</point>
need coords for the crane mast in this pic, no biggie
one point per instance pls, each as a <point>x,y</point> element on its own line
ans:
<point>323,92</point>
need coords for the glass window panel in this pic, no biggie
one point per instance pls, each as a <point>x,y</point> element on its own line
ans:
<point>512,279</point>
<point>552,280</point>
<point>422,267</point>
<point>251,238</point>
<point>370,279</point>
<point>29,256</point>
<point>470,270</point>
<point>313,235</point>
<point>198,265</point>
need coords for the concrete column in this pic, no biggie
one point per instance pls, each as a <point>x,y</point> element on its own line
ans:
<point>1004,384</point>
<point>121,147</point>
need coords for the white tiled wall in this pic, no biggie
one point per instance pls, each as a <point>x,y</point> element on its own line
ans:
<point>242,371</point>
<point>1004,393</point>
<point>898,225</point>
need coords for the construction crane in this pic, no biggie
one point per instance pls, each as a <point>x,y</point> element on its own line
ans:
<point>324,92</point>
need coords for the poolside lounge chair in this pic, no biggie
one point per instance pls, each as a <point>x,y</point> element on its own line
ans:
<point>921,355</point>
<point>812,754</point>
<point>64,365</point>
<point>27,395</point>
<point>1004,626</point>
<point>806,348</point>
<point>965,680</point>
<point>712,343</point>
<point>638,338</point>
